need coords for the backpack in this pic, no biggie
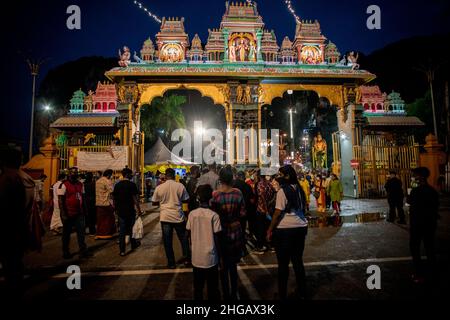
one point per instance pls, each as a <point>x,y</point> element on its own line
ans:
<point>294,201</point>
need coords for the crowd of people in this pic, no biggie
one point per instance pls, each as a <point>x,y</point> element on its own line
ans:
<point>216,213</point>
<point>225,211</point>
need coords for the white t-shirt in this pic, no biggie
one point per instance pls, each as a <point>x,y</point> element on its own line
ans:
<point>55,194</point>
<point>170,196</point>
<point>210,178</point>
<point>203,223</point>
<point>290,219</point>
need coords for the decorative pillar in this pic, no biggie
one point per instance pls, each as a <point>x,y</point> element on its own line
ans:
<point>259,35</point>
<point>226,34</point>
<point>322,50</point>
<point>433,158</point>
<point>128,94</point>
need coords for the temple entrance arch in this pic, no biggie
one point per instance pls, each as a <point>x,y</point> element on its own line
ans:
<point>217,92</point>
<point>184,113</point>
<point>302,115</point>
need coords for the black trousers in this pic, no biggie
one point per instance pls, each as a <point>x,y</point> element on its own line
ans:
<point>289,246</point>
<point>79,223</point>
<point>419,234</point>
<point>396,206</point>
<point>211,277</point>
<point>229,279</point>
<point>13,270</point>
<point>261,226</point>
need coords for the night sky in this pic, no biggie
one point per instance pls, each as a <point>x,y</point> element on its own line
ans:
<point>40,27</point>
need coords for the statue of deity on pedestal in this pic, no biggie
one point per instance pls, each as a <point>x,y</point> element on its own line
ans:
<point>319,152</point>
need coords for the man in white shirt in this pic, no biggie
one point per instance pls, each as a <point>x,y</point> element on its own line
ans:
<point>172,196</point>
<point>204,226</point>
<point>56,223</point>
<point>210,177</point>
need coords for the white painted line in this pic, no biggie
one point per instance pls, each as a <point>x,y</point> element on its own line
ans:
<point>244,267</point>
<point>248,285</point>
<point>170,293</point>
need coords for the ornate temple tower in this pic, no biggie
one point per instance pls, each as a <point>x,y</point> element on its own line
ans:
<point>269,47</point>
<point>309,43</point>
<point>172,40</point>
<point>105,98</point>
<point>332,54</point>
<point>195,54</point>
<point>148,51</point>
<point>287,52</point>
<point>77,102</point>
<point>242,27</point>
<point>214,49</point>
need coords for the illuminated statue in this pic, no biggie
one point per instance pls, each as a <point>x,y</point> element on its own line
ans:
<point>124,57</point>
<point>88,101</point>
<point>252,53</point>
<point>247,99</point>
<point>242,50</point>
<point>232,52</point>
<point>353,60</point>
<point>239,94</point>
<point>319,152</point>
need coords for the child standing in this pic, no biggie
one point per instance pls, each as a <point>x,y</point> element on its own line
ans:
<point>204,228</point>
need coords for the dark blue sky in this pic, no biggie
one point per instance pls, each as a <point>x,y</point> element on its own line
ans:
<point>40,27</point>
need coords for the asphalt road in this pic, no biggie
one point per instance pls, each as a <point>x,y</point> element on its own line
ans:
<point>336,262</point>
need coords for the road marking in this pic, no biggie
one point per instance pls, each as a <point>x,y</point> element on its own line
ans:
<point>244,267</point>
<point>170,293</point>
<point>252,293</point>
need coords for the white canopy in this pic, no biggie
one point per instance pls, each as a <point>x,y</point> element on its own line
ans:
<point>159,154</point>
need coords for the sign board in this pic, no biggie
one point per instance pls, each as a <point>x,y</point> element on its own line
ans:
<point>354,163</point>
<point>116,158</point>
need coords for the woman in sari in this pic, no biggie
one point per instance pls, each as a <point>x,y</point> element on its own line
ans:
<point>319,194</point>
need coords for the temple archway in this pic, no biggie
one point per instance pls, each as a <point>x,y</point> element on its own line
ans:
<point>195,107</point>
<point>311,115</point>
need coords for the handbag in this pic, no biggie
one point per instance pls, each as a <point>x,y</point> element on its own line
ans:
<point>138,229</point>
<point>316,194</point>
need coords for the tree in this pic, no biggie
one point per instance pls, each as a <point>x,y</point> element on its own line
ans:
<point>421,108</point>
<point>162,117</point>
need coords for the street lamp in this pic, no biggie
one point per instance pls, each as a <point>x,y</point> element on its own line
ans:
<point>48,109</point>
<point>291,121</point>
<point>34,66</point>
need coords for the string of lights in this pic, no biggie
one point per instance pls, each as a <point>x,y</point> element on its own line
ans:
<point>150,14</point>
<point>291,10</point>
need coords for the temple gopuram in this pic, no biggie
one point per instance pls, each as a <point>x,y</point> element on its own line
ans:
<point>243,67</point>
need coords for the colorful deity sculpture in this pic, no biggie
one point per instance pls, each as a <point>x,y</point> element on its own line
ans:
<point>125,57</point>
<point>353,60</point>
<point>319,152</point>
<point>232,52</point>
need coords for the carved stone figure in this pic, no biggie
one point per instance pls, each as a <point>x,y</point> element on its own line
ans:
<point>125,57</point>
<point>232,52</point>
<point>353,60</point>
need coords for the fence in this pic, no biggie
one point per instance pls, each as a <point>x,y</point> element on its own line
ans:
<point>377,158</point>
<point>68,154</point>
